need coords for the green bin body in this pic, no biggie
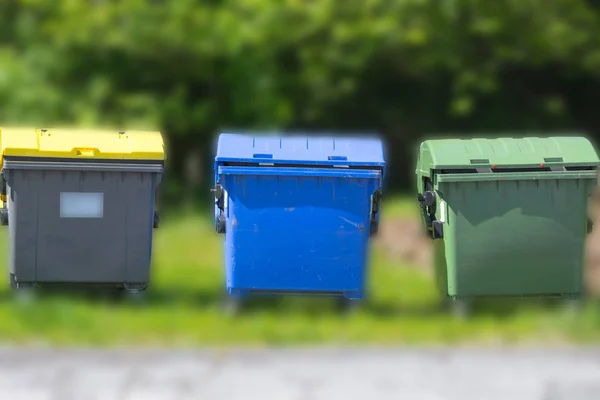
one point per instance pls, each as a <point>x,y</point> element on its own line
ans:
<point>508,216</point>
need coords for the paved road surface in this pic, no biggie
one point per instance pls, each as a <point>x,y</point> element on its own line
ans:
<point>312,374</point>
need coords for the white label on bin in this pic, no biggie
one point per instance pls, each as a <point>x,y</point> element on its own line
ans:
<point>81,205</point>
<point>442,211</point>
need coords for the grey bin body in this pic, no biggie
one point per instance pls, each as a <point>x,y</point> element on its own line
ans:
<point>78,222</point>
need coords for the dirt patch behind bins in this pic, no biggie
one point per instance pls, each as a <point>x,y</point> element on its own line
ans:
<point>403,240</point>
<point>592,261</point>
<point>592,248</point>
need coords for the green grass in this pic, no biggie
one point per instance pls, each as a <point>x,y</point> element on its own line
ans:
<point>183,308</point>
<point>400,207</point>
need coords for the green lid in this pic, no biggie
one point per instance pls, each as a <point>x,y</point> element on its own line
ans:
<point>505,152</point>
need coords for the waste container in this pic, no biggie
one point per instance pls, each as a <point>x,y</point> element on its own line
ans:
<point>297,212</point>
<point>80,205</point>
<point>508,216</point>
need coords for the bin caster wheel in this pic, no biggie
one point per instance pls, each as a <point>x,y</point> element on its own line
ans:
<point>348,306</point>
<point>232,305</point>
<point>24,293</point>
<point>132,287</point>
<point>136,295</point>
<point>573,306</point>
<point>136,292</point>
<point>460,308</point>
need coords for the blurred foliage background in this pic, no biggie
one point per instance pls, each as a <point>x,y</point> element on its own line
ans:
<point>404,68</point>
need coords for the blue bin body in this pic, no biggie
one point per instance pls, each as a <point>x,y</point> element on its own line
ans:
<point>297,212</point>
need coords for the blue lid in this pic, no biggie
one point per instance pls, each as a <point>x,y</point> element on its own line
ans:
<point>300,150</point>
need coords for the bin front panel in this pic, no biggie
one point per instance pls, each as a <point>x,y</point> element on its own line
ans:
<point>81,226</point>
<point>515,237</point>
<point>297,233</point>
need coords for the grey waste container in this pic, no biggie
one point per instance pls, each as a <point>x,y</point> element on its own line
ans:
<point>80,205</point>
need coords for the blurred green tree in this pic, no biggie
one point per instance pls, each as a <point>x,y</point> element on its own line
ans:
<point>406,68</point>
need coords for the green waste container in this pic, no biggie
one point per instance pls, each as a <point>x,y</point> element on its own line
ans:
<point>508,216</point>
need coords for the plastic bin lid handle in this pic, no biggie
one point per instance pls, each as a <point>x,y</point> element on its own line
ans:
<point>85,152</point>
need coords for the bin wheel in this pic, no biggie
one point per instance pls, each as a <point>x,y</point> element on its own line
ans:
<point>460,308</point>
<point>136,295</point>
<point>573,305</point>
<point>25,294</point>
<point>20,286</point>
<point>232,305</point>
<point>135,287</point>
<point>4,217</point>
<point>348,306</point>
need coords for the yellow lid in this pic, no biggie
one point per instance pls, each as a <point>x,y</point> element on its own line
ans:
<point>81,143</point>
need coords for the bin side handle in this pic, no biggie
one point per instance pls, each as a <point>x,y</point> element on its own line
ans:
<point>427,204</point>
<point>375,207</point>
<point>219,192</point>
<point>85,152</point>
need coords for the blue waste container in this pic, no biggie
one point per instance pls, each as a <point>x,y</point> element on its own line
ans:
<point>297,212</point>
